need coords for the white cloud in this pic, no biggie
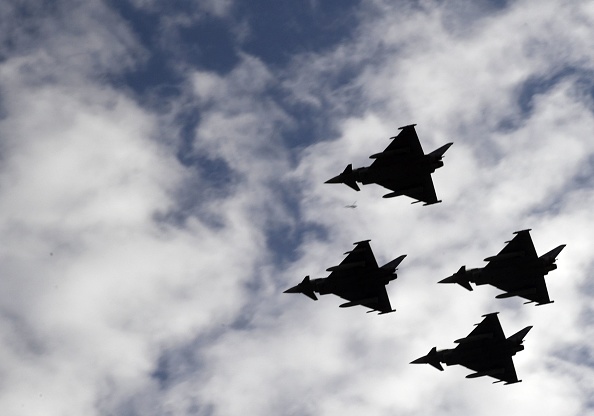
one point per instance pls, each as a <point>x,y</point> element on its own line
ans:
<point>94,284</point>
<point>100,286</point>
<point>97,283</point>
<point>464,86</point>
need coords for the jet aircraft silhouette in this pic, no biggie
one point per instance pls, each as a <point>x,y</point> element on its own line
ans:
<point>517,270</point>
<point>402,167</point>
<point>485,350</point>
<point>357,279</point>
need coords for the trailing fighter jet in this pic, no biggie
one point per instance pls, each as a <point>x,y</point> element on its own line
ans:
<point>357,279</point>
<point>517,270</point>
<point>485,350</point>
<point>402,167</point>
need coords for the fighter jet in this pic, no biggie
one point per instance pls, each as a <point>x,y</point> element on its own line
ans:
<point>517,270</point>
<point>357,279</point>
<point>402,167</point>
<point>485,350</point>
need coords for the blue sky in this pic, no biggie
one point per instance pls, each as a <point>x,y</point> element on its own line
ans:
<point>162,177</point>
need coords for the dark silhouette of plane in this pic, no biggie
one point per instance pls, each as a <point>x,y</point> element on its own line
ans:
<point>357,279</point>
<point>485,350</point>
<point>353,205</point>
<point>402,167</point>
<point>517,270</point>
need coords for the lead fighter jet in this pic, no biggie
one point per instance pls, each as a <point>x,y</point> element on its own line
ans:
<point>357,279</point>
<point>517,270</point>
<point>485,350</point>
<point>402,167</point>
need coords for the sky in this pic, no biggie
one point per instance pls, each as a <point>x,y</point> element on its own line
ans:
<point>162,168</point>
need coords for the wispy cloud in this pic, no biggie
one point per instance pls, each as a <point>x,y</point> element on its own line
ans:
<point>149,233</point>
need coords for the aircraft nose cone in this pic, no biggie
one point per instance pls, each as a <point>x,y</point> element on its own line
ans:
<point>422,360</point>
<point>336,179</point>
<point>294,289</point>
<point>450,279</point>
<point>432,358</point>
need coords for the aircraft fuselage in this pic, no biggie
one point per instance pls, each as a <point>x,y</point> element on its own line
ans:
<point>474,355</point>
<point>327,285</point>
<point>410,169</point>
<point>510,272</point>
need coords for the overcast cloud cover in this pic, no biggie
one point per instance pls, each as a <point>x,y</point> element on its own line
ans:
<point>161,183</point>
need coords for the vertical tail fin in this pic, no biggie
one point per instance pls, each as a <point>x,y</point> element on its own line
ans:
<point>394,263</point>
<point>552,255</point>
<point>438,153</point>
<point>518,337</point>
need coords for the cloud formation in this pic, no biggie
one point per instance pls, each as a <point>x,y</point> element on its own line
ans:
<point>150,230</point>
